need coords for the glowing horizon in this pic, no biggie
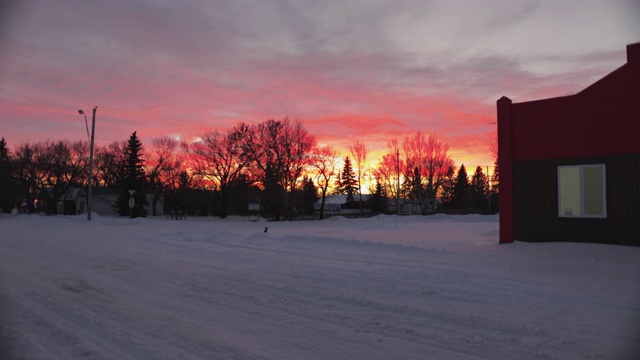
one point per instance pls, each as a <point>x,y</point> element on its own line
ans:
<point>351,71</point>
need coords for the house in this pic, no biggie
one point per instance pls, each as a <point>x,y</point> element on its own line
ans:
<point>103,200</point>
<point>338,205</point>
<point>332,204</point>
<point>570,166</point>
<point>419,207</point>
<point>73,201</point>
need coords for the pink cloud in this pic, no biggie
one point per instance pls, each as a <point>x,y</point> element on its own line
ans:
<point>165,69</point>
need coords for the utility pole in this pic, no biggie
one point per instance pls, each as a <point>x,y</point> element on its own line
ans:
<point>398,181</point>
<point>489,194</point>
<point>90,180</point>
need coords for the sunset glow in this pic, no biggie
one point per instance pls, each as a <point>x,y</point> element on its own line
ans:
<point>356,70</point>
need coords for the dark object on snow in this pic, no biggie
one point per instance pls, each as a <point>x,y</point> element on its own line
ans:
<point>265,229</point>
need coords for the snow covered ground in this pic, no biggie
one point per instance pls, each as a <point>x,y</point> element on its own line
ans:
<point>389,287</point>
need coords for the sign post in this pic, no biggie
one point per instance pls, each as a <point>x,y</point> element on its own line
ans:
<point>254,207</point>
<point>132,202</point>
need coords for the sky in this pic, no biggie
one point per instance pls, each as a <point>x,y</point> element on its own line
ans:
<point>366,70</point>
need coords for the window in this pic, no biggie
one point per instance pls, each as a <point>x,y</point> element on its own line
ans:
<point>582,191</point>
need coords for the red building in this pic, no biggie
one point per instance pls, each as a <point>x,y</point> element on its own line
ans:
<point>570,166</point>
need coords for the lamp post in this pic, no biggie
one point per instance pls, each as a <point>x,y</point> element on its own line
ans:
<point>90,181</point>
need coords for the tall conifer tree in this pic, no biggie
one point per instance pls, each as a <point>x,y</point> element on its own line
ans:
<point>379,199</point>
<point>461,189</point>
<point>132,177</point>
<point>309,196</point>
<point>479,190</point>
<point>446,191</point>
<point>6,179</point>
<point>347,183</point>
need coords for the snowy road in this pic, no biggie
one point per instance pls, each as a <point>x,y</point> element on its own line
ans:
<point>382,288</point>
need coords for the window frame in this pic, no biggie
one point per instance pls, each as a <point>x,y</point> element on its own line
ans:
<point>582,214</point>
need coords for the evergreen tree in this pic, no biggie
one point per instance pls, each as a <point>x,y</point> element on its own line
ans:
<point>379,199</point>
<point>446,191</point>
<point>461,189</point>
<point>347,183</point>
<point>309,196</point>
<point>132,177</point>
<point>479,190</point>
<point>6,179</point>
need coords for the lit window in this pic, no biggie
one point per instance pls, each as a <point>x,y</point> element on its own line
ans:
<point>582,191</point>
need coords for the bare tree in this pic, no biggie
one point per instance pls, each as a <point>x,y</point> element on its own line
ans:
<point>50,168</point>
<point>325,162</point>
<point>359,153</point>
<point>107,162</point>
<point>279,151</point>
<point>163,167</point>
<point>220,158</point>
<point>389,170</point>
<point>495,177</point>
<point>68,167</point>
<point>25,169</point>
<point>428,158</point>
<point>297,144</point>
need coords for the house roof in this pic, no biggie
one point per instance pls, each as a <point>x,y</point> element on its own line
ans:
<point>342,198</point>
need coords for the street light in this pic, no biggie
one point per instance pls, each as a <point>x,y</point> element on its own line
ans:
<point>90,182</point>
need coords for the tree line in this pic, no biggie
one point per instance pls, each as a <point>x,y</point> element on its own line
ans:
<point>276,163</point>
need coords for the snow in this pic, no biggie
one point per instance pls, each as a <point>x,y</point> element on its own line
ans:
<point>388,287</point>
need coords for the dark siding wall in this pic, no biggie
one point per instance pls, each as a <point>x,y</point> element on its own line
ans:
<point>536,203</point>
